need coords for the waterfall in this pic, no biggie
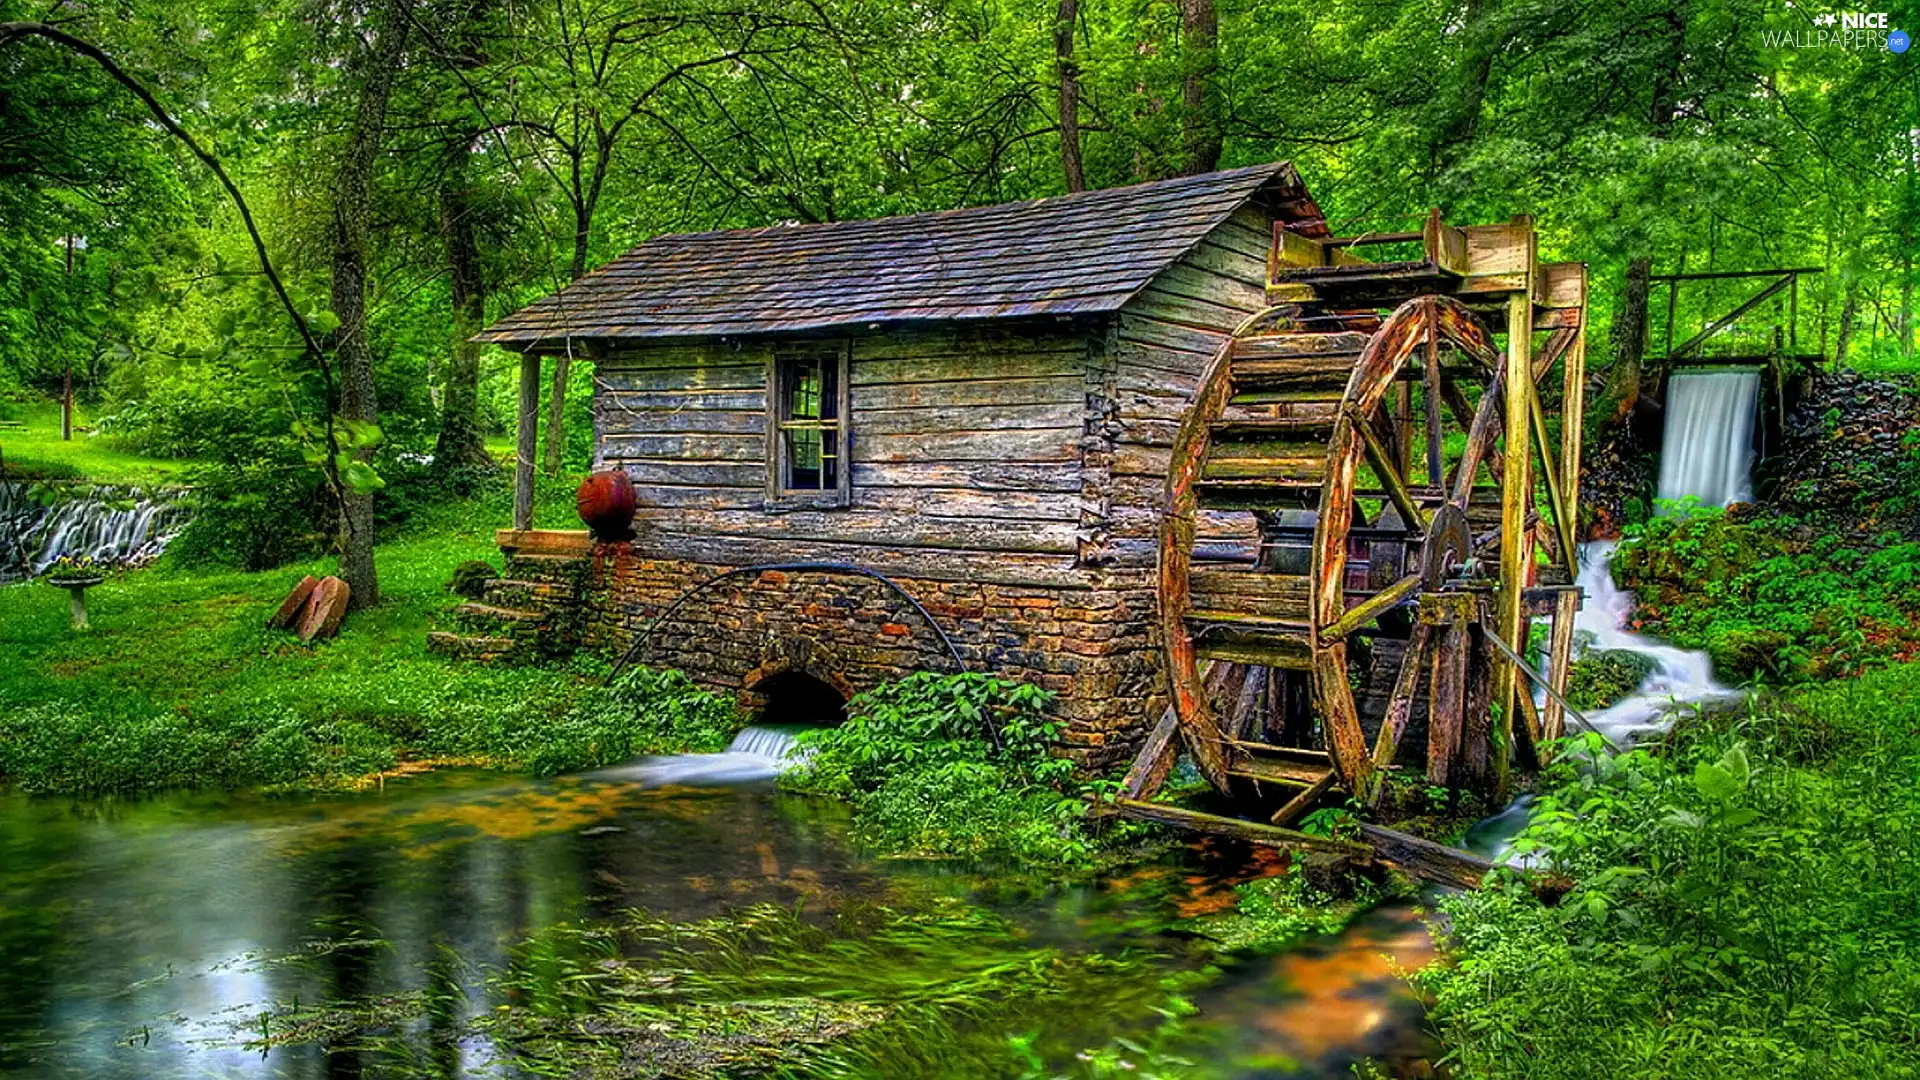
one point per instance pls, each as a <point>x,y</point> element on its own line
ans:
<point>112,525</point>
<point>757,753</point>
<point>1707,451</point>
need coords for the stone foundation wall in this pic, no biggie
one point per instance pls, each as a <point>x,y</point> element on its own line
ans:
<point>1095,646</point>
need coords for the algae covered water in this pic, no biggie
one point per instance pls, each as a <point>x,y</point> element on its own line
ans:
<point>465,924</point>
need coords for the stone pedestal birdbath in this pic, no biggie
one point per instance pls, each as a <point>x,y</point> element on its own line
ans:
<point>77,587</point>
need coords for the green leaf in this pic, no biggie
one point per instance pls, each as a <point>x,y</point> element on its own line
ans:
<point>360,478</point>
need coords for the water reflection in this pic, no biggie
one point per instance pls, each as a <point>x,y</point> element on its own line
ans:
<point>147,938</point>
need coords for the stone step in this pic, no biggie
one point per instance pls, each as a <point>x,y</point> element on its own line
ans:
<point>479,648</point>
<point>510,592</point>
<point>488,613</point>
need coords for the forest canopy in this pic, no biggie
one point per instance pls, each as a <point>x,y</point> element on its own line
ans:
<point>420,167</point>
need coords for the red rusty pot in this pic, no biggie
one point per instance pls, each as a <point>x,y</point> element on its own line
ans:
<point>606,501</point>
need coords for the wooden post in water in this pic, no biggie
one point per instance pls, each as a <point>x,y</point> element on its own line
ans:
<point>527,436</point>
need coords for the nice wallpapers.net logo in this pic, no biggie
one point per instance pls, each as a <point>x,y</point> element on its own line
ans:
<point>1853,30</point>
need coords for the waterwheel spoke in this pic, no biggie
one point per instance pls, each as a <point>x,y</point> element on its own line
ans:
<point>1371,608</point>
<point>1388,472</point>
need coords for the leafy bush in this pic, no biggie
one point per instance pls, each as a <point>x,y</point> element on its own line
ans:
<point>1744,906</point>
<point>644,711</point>
<point>1768,598</point>
<point>951,765</point>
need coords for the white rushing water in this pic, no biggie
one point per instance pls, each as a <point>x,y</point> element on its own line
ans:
<point>1707,449</point>
<point>757,753</point>
<point>112,525</point>
<point>1679,676</point>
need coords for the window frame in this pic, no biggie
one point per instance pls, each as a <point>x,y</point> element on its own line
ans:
<point>779,496</point>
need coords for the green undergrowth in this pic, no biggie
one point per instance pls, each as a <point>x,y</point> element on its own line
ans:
<point>1599,677</point>
<point>178,684</point>
<point>1273,914</point>
<point>1771,599</point>
<point>1745,904</point>
<point>953,765</point>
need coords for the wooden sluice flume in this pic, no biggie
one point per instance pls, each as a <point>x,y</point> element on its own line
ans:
<point>1384,422</point>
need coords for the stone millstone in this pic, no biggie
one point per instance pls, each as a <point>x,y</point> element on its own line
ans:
<point>325,610</point>
<point>294,605</point>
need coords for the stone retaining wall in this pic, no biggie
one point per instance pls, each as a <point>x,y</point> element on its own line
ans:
<point>1093,646</point>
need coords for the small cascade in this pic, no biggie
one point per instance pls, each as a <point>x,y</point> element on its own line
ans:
<point>111,525</point>
<point>757,753</point>
<point>1679,676</point>
<point>1707,450</point>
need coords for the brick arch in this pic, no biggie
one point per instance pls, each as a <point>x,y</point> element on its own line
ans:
<point>796,654</point>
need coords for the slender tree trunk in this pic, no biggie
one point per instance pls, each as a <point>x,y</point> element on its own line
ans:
<point>563,362</point>
<point>1069,72</point>
<point>1849,321</point>
<point>352,206</point>
<point>1472,74</point>
<point>460,442</point>
<point>1200,116</point>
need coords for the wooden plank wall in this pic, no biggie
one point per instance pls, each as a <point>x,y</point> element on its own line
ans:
<point>1160,344</point>
<point>966,454</point>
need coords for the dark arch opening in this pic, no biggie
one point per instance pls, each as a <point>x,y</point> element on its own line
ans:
<point>795,697</point>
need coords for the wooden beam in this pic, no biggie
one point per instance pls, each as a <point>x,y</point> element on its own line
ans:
<point>1426,860</point>
<point>1562,527</point>
<point>1371,608</point>
<point>1300,803</point>
<point>1154,761</point>
<point>527,441</point>
<point>1728,319</point>
<point>1553,724</point>
<point>1381,458</point>
<point>1400,706</point>
<point>1252,831</point>
<point>1516,482</point>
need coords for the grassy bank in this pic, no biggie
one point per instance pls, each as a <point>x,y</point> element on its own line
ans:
<point>36,451</point>
<point>1746,905</point>
<point>178,684</point>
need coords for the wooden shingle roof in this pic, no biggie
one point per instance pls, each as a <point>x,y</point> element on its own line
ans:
<point>1080,254</point>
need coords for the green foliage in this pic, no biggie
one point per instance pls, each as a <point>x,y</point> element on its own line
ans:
<point>1771,599</point>
<point>1600,677</point>
<point>470,578</point>
<point>951,765</point>
<point>1743,904</point>
<point>1277,913</point>
<point>644,711</point>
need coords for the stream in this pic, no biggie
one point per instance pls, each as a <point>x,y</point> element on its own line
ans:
<point>145,938</point>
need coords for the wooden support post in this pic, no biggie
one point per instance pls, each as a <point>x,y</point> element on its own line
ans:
<point>1550,469</point>
<point>1446,704</point>
<point>1516,483</point>
<point>1553,724</point>
<point>1573,410</point>
<point>527,434</point>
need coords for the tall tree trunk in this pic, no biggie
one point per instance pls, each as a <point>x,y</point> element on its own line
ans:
<point>352,206</point>
<point>460,442</point>
<point>1069,73</point>
<point>1200,116</point>
<point>1629,342</point>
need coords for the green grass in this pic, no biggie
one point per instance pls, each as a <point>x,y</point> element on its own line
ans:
<point>39,452</point>
<point>178,682</point>
<point>1744,907</point>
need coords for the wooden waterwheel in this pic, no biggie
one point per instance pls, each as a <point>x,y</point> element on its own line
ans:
<point>1383,424</point>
